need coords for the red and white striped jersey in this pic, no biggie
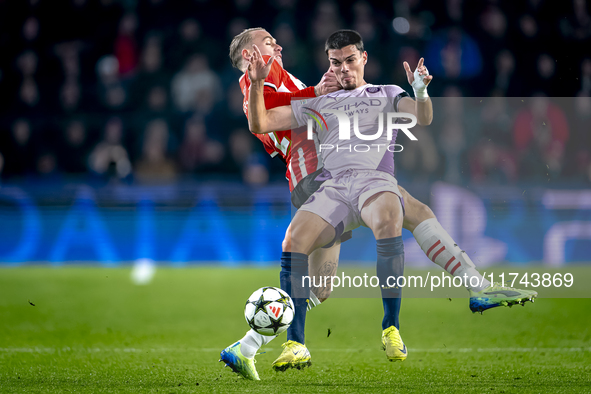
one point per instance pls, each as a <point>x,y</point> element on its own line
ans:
<point>299,154</point>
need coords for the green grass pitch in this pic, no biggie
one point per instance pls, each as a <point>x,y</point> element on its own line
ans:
<point>82,329</point>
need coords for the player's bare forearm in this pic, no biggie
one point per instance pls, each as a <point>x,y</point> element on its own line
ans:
<point>424,111</point>
<point>261,120</point>
<point>257,113</point>
<point>421,108</point>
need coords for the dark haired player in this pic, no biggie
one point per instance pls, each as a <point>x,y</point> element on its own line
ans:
<point>435,241</point>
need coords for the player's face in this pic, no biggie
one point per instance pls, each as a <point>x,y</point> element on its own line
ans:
<point>267,44</point>
<point>348,65</point>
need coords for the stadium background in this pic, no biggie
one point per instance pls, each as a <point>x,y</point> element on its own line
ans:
<point>122,141</point>
<point>122,134</point>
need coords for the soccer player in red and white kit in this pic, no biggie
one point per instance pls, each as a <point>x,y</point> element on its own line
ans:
<point>303,166</point>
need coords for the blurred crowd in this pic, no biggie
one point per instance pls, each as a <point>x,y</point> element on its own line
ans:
<point>143,90</point>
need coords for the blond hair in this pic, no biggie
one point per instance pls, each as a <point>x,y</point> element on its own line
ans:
<point>238,44</point>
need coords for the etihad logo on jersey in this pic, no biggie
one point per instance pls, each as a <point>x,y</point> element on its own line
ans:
<point>345,129</point>
<point>360,105</point>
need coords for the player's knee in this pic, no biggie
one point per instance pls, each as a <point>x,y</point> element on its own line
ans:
<point>416,213</point>
<point>424,212</point>
<point>295,243</point>
<point>387,227</point>
<point>286,244</point>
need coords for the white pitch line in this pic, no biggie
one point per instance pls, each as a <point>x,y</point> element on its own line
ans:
<point>465,350</point>
<point>350,350</point>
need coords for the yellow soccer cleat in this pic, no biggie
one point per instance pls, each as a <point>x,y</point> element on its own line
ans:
<point>294,355</point>
<point>393,345</point>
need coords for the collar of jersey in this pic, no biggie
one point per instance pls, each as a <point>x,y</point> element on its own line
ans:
<point>367,85</point>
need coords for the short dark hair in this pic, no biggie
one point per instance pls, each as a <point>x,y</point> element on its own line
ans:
<point>343,38</point>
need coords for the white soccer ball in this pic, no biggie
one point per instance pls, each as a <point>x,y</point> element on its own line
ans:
<point>269,311</point>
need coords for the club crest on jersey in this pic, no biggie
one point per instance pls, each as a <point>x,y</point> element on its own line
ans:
<point>373,89</point>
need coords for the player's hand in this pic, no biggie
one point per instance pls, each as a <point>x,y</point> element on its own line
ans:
<point>419,79</point>
<point>327,84</point>
<point>258,70</point>
<point>421,74</point>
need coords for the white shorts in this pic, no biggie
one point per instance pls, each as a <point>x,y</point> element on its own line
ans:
<point>339,200</point>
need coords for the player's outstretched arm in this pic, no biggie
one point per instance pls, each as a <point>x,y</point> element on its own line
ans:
<point>261,120</point>
<point>422,107</point>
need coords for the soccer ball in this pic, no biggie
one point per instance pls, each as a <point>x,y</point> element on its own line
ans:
<point>269,311</point>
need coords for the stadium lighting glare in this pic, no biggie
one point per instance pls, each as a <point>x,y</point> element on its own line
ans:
<point>401,25</point>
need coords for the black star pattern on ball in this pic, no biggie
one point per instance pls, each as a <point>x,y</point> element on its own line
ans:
<point>260,305</point>
<point>277,324</point>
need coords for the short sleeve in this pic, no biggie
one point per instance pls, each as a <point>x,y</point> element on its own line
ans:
<point>298,109</point>
<point>398,98</point>
<point>395,94</point>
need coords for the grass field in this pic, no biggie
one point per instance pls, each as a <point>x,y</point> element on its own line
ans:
<point>90,330</point>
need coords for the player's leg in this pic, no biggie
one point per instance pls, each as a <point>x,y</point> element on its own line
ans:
<point>323,263</point>
<point>311,232</point>
<point>307,232</point>
<point>382,213</point>
<point>440,248</point>
<point>437,243</point>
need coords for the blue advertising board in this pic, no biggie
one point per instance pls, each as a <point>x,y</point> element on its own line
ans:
<point>233,224</point>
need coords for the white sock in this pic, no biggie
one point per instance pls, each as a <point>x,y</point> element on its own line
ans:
<point>443,251</point>
<point>313,301</point>
<point>252,342</point>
